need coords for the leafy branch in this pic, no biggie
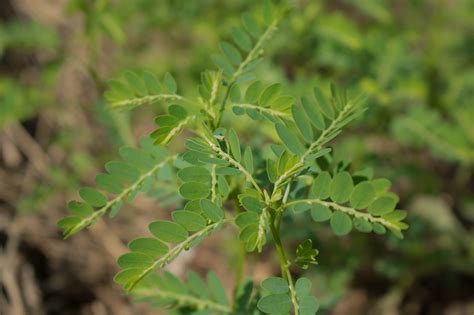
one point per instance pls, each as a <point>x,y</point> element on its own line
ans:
<point>120,173</point>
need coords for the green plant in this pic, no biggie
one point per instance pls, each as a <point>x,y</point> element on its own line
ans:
<point>221,185</point>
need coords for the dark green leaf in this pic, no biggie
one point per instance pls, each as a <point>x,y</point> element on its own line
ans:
<point>92,197</point>
<point>134,260</point>
<point>194,190</point>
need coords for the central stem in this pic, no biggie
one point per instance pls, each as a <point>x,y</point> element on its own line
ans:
<point>275,220</point>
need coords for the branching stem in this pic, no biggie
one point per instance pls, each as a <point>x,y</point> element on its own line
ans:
<point>275,221</point>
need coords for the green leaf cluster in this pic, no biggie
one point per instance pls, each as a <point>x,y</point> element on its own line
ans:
<point>123,180</point>
<point>138,90</point>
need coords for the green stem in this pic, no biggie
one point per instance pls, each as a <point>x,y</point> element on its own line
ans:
<point>275,221</point>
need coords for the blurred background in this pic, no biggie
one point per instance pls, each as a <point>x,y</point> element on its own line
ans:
<point>414,59</point>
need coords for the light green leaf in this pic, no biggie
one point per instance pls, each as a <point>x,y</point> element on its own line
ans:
<point>302,123</point>
<point>378,228</point>
<point>380,185</point>
<point>136,83</point>
<point>290,140</point>
<point>341,187</point>
<point>248,160</point>
<point>362,225</point>
<point>302,287</point>
<point>275,285</point>
<point>269,94</point>
<point>382,205</point>
<point>211,210</point>
<point>92,197</point>
<point>320,213</point>
<point>109,183</point>
<point>248,231</point>
<point>253,91</point>
<point>194,190</point>
<point>320,187</point>
<point>326,108</point>
<point>196,285</point>
<point>168,231</point>
<point>231,53</point>
<point>170,83</point>
<point>313,114</point>
<point>234,145</point>
<point>362,195</point>
<point>234,94</point>
<point>123,171</point>
<point>80,209</point>
<point>151,83</point>
<point>216,288</point>
<point>190,220</point>
<point>241,38</point>
<point>251,25</point>
<point>308,305</point>
<point>341,223</point>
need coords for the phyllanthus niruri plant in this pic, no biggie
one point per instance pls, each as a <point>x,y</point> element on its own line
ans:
<point>221,183</point>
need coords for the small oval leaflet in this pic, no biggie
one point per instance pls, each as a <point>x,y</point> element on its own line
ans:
<point>92,197</point>
<point>149,246</point>
<point>168,231</point>
<point>194,190</point>
<point>211,210</point>
<point>341,187</point>
<point>194,174</point>
<point>362,195</point>
<point>320,213</point>
<point>190,220</point>
<point>320,187</point>
<point>382,205</point>
<point>275,285</point>
<point>275,304</point>
<point>341,223</point>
